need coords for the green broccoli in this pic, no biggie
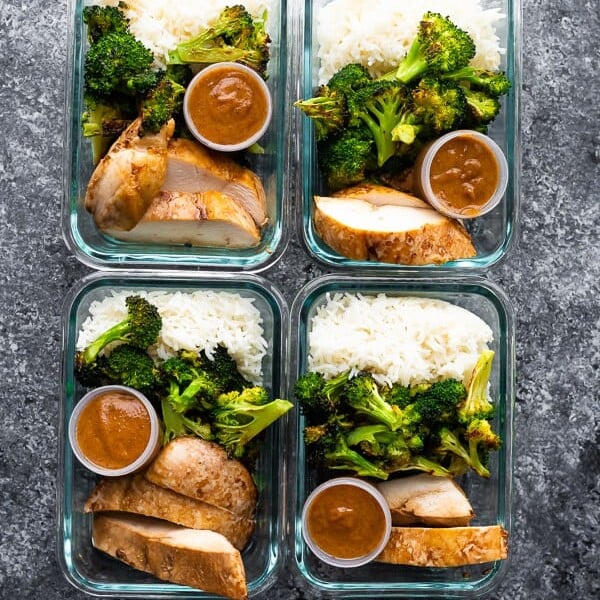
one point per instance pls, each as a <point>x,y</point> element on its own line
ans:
<point>328,111</point>
<point>439,47</point>
<point>319,398</point>
<point>477,404</point>
<point>131,366</point>
<point>176,424</point>
<point>438,105</point>
<point>422,463</point>
<point>104,122</point>
<point>118,64</point>
<point>436,403</point>
<point>223,369</point>
<point>162,103</point>
<point>397,394</point>
<point>234,36</point>
<point>362,394</point>
<point>101,20</point>
<point>379,105</point>
<point>331,450</point>
<point>238,417</point>
<point>188,386</point>
<point>493,83</point>
<point>483,109</point>
<point>481,440</point>
<point>140,328</point>
<point>345,159</point>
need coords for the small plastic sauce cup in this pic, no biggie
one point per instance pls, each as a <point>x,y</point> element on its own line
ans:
<point>469,174</point>
<point>114,430</point>
<point>343,514</point>
<point>227,106</point>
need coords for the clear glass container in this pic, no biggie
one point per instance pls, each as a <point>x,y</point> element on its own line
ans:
<point>95,572</point>
<point>100,251</point>
<point>490,498</point>
<point>493,234</point>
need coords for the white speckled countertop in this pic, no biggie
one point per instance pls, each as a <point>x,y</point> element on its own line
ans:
<point>552,276</point>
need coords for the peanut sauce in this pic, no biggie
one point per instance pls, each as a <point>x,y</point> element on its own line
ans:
<point>464,175</point>
<point>113,430</point>
<point>345,521</point>
<point>227,105</point>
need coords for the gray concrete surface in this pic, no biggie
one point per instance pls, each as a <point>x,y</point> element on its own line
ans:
<point>552,277</point>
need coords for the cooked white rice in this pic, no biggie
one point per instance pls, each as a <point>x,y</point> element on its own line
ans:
<point>162,24</point>
<point>378,33</point>
<point>197,321</point>
<point>398,339</point>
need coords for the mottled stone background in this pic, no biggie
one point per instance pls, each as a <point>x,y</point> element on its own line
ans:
<point>552,277</point>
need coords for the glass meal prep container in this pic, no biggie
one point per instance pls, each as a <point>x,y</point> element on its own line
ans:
<point>101,251</point>
<point>93,571</point>
<point>490,498</point>
<point>492,233</point>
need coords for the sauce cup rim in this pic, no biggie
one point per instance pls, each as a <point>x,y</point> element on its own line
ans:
<point>347,562</point>
<point>227,147</point>
<point>143,459</point>
<point>425,166</point>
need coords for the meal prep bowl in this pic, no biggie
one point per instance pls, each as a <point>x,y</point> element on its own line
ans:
<point>490,498</point>
<point>101,251</point>
<point>492,233</point>
<point>95,572</point>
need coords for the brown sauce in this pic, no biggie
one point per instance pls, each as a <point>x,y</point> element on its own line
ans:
<point>113,430</point>
<point>464,175</point>
<point>345,521</point>
<point>227,106</point>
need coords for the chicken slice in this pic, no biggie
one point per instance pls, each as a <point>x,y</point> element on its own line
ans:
<point>380,195</point>
<point>389,233</point>
<point>194,168</point>
<point>128,178</point>
<point>198,219</point>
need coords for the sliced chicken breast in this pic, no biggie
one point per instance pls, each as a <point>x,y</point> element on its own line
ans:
<point>380,195</point>
<point>389,233</point>
<point>199,469</point>
<point>128,178</point>
<point>194,557</point>
<point>194,168</point>
<point>209,218</point>
<point>135,494</point>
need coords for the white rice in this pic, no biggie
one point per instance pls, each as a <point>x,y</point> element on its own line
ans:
<point>162,24</point>
<point>398,339</point>
<point>197,321</point>
<point>378,33</point>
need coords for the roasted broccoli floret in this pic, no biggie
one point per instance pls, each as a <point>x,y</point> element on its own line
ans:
<point>327,110</point>
<point>436,403</point>
<point>438,105</point>
<point>331,450</point>
<point>177,424</point>
<point>131,366</point>
<point>101,20</point>
<point>439,47</point>
<point>362,394</point>
<point>238,417</point>
<point>422,463</point>
<point>397,394</point>
<point>319,398</point>
<point>223,369</point>
<point>188,386</point>
<point>104,122</point>
<point>477,404</point>
<point>163,102</point>
<point>234,36</point>
<point>379,106</point>
<point>483,109</point>
<point>481,440</point>
<point>349,78</point>
<point>118,64</point>
<point>345,159</point>
<point>493,83</point>
<point>140,328</point>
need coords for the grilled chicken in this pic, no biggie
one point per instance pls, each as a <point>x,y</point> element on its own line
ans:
<point>128,178</point>
<point>199,469</point>
<point>135,494</point>
<point>392,232</point>
<point>209,218</point>
<point>194,168</point>
<point>194,557</point>
<point>426,499</point>
<point>380,195</point>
